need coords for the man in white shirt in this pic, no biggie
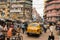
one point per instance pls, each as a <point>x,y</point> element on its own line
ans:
<point>52,28</point>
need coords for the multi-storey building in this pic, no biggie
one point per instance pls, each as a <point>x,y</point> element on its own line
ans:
<point>36,15</point>
<point>52,11</point>
<point>3,9</point>
<point>16,9</point>
<point>21,9</point>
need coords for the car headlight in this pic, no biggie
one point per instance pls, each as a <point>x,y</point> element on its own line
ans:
<point>38,30</point>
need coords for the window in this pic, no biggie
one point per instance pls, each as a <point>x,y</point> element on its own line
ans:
<point>16,8</point>
<point>58,18</point>
<point>29,0</point>
<point>18,0</point>
<point>8,10</point>
<point>8,15</point>
<point>34,25</point>
<point>3,8</point>
<point>18,17</point>
<point>8,6</point>
<point>2,14</point>
<point>12,0</point>
<point>3,0</point>
<point>48,18</point>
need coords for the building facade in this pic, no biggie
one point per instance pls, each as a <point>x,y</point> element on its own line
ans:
<point>16,9</point>
<point>35,15</point>
<point>3,9</point>
<point>21,9</point>
<point>52,11</point>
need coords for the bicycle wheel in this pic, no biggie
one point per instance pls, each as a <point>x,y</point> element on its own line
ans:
<point>20,38</point>
<point>13,38</point>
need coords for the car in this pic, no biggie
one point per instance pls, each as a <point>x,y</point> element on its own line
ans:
<point>34,28</point>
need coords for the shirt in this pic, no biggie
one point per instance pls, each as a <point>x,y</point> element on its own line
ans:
<point>23,26</point>
<point>1,28</point>
<point>51,28</point>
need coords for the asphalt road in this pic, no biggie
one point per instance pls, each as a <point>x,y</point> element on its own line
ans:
<point>43,36</point>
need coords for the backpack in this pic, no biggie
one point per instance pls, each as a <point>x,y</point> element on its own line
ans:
<point>13,32</point>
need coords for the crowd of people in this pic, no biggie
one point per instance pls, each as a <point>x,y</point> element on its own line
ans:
<point>13,29</point>
<point>10,30</point>
<point>52,27</point>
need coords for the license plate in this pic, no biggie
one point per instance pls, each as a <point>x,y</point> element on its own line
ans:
<point>13,38</point>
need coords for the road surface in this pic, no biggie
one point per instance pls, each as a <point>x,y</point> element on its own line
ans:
<point>44,36</point>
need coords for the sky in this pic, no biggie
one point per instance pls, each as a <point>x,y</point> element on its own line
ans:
<point>39,5</point>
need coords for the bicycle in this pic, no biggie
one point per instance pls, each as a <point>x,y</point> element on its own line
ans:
<point>17,37</point>
<point>13,38</point>
<point>20,37</point>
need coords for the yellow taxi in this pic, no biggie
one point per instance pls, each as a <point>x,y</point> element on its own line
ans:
<point>34,28</point>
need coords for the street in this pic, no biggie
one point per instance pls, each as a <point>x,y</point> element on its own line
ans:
<point>31,17</point>
<point>44,36</point>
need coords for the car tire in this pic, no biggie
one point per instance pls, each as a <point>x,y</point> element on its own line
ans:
<point>28,34</point>
<point>40,32</point>
<point>38,35</point>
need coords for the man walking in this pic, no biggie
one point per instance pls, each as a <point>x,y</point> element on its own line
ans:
<point>23,27</point>
<point>51,37</point>
<point>51,28</point>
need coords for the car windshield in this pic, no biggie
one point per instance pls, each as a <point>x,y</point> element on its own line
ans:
<point>34,25</point>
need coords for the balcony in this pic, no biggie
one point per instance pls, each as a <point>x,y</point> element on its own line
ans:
<point>14,6</point>
<point>28,2</point>
<point>21,1</point>
<point>16,1</point>
<point>15,10</point>
<point>3,6</point>
<point>2,2</point>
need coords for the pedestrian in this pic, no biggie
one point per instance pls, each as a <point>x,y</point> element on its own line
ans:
<point>51,28</point>
<point>9,32</point>
<point>25,24</point>
<point>18,29</point>
<point>5,28</point>
<point>23,28</point>
<point>51,37</point>
<point>1,36</point>
<point>14,32</point>
<point>1,28</point>
<point>45,28</point>
<point>4,31</point>
<point>56,27</point>
<point>15,26</point>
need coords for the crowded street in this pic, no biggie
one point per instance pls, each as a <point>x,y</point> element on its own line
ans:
<point>43,36</point>
<point>29,19</point>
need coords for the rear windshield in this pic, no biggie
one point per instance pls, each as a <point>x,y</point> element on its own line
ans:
<point>34,25</point>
